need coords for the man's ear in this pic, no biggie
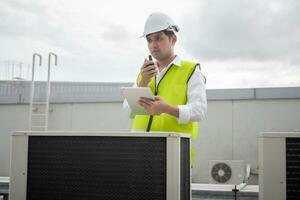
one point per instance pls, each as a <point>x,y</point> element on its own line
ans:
<point>174,39</point>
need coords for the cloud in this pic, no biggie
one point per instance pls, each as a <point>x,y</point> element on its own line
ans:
<point>116,33</point>
<point>250,74</point>
<point>244,43</point>
<point>89,47</point>
<point>251,30</point>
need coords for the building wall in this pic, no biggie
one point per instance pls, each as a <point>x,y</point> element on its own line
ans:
<point>231,127</point>
<point>235,117</point>
<point>229,131</point>
<point>80,116</point>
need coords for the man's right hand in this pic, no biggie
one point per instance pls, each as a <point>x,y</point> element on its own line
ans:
<point>148,70</point>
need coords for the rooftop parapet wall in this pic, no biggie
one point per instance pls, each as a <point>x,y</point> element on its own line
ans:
<point>18,92</point>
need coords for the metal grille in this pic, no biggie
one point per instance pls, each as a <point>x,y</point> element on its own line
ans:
<point>185,169</point>
<point>293,168</point>
<point>88,167</point>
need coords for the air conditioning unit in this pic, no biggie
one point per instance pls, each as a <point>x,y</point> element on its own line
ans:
<point>227,171</point>
<point>279,165</point>
<point>100,165</point>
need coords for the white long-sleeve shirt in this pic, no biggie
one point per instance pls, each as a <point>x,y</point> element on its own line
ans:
<point>196,107</point>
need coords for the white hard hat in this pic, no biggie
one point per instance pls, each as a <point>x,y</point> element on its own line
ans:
<point>158,22</point>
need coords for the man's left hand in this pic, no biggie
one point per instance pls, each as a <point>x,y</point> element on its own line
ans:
<point>154,107</point>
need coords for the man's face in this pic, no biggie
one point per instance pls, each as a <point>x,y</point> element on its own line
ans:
<point>160,45</point>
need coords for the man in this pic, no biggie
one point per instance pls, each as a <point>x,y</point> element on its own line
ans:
<point>180,97</point>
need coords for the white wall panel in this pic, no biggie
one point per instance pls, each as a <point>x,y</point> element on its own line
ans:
<point>229,131</point>
<point>215,138</point>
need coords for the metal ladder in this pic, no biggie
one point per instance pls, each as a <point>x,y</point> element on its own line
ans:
<point>41,117</point>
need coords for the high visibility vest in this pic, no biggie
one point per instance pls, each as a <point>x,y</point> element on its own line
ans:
<point>173,90</point>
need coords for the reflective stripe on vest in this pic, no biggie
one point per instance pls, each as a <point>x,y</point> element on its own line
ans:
<point>173,89</point>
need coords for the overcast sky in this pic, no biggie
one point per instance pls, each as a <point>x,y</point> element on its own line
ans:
<point>239,43</point>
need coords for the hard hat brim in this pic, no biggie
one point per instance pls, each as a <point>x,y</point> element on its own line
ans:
<point>174,28</point>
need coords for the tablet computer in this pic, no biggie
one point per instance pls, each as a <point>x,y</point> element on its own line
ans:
<point>132,95</point>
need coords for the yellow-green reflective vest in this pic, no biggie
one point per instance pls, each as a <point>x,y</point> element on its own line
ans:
<point>173,89</point>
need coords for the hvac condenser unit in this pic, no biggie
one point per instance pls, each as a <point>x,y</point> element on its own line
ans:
<point>279,166</point>
<point>227,171</point>
<point>100,165</point>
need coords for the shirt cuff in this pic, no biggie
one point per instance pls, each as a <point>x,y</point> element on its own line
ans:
<point>184,114</point>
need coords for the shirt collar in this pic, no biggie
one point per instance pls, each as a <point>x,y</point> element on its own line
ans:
<point>176,61</point>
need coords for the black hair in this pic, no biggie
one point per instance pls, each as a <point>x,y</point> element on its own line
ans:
<point>168,33</point>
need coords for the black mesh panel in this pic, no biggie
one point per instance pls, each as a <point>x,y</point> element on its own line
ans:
<point>185,169</point>
<point>293,168</point>
<point>102,168</point>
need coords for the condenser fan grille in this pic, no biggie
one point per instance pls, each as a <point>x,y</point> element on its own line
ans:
<point>221,172</point>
